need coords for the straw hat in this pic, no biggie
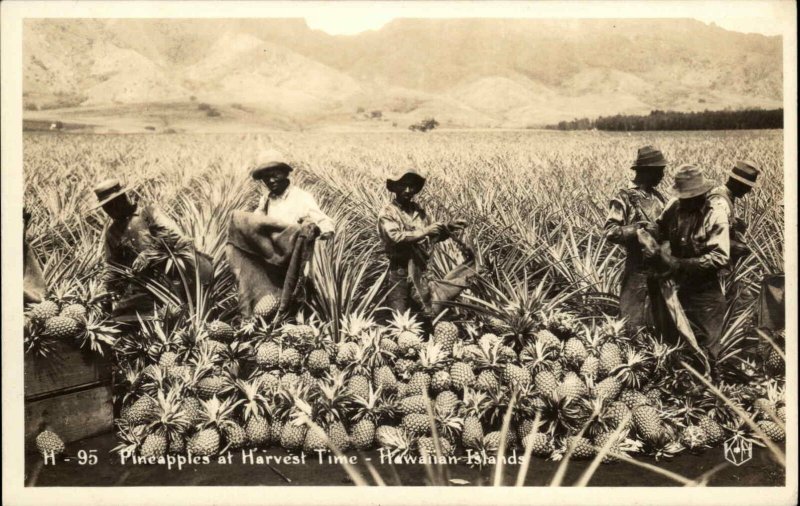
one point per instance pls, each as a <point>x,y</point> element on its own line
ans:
<point>108,190</point>
<point>649,157</point>
<point>408,176</point>
<point>690,182</point>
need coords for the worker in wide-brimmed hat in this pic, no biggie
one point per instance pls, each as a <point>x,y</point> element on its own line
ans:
<point>635,207</point>
<point>741,181</point>
<point>407,234</point>
<point>696,230</point>
<point>145,241</point>
<point>287,202</point>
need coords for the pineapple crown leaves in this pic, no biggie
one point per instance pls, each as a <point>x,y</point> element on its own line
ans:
<point>475,402</point>
<point>404,322</point>
<point>370,407</point>
<point>354,324</point>
<point>332,400</point>
<point>216,413</point>
<point>432,356</point>
<point>170,417</point>
<point>537,352</point>
<point>633,369</point>
<point>395,440</point>
<point>613,328</point>
<point>96,333</point>
<point>130,438</point>
<point>255,403</point>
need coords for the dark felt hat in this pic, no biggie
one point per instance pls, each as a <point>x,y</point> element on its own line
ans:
<point>409,176</point>
<point>108,190</point>
<point>649,157</point>
<point>745,172</point>
<point>690,182</point>
<point>261,170</point>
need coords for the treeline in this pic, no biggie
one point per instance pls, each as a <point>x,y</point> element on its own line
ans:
<point>672,120</point>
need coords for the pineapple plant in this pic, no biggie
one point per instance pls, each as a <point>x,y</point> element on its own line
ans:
<point>215,416</point>
<point>255,412</point>
<point>474,409</point>
<point>407,333</point>
<point>170,422</point>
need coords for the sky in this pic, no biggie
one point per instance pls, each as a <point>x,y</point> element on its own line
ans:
<point>764,17</point>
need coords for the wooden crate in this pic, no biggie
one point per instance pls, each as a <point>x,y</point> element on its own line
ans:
<point>70,391</point>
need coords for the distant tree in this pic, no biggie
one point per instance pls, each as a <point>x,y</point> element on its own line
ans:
<point>424,125</point>
<point>360,110</point>
<point>150,128</point>
<point>193,98</point>
<point>375,114</point>
<point>212,113</point>
<point>203,106</point>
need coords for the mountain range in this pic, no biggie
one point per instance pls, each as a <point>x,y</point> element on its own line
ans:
<point>464,72</point>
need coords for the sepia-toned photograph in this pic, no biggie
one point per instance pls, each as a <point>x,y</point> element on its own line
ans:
<point>318,248</point>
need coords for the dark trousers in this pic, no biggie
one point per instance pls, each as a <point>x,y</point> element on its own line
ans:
<point>704,305</point>
<point>635,298</point>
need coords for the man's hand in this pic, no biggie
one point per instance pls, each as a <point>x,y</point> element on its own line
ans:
<point>140,263</point>
<point>326,236</point>
<point>739,225</point>
<point>649,227</point>
<point>435,230</point>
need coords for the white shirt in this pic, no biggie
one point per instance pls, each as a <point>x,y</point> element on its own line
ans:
<point>293,206</point>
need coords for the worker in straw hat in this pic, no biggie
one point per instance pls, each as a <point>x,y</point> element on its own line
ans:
<point>144,241</point>
<point>634,207</point>
<point>741,181</point>
<point>408,234</point>
<point>287,202</point>
<point>695,237</point>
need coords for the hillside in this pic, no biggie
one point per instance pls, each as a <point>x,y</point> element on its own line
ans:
<point>471,72</point>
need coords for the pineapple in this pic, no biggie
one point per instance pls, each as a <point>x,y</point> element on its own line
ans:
<point>210,386</point>
<point>427,447</point>
<point>403,367</point>
<point>319,361</point>
<point>617,415</point>
<point>205,442</point>
<point>714,432</point>
<point>293,436</point>
<point>385,379</point>
<point>395,440</point>
<point>633,398</point>
<point>610,358</point>
<point>440,381</point>
<point>694,438</point>
<point>44,310</point>
<point>487,381</point>
<point>608,389</point>
<point>406,331</point>
<point>575,352</point>
<point>773,431</point>
<point>267,306</point>
<point>49,443</point>
<point>648,423</point>
<point>256,409</point>
<point>143,410</point>
<point>419,384</point>
<point>316,440</point>
<point>338,437</point>
<point>168,359</point>
<point>590,367</point>
<point>580,447</point>
<point>571,386</point>
<point>268,354</point>
<point>488,341</point>
<point>220,331</point>
<point>516,377</point>
<point>289,359</point>
<point>155,445</point>
<point>474,408</point>
<point>257,430</point>
<point>416,424</point>
<point>414,404</point>
<point>446,402</point>
<point>445,334</point>
<point>546,383</point>
<point>170,422</point>
<point>358,385</point>
<point>461,375</point>
<point>75,311</point>
<point>346,354</point>
<point>363,434</point>
<point>216,419</point>
<point>540,443</point>
<point>548,340</point>
<point>61,327</point>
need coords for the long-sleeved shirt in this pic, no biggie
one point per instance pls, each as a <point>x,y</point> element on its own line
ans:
<point>126,239</point>
<point>400,228</point>
<point>701,235</point>
<point>295,205</point>
<point>629,206</point>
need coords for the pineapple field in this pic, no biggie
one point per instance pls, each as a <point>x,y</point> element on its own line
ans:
<point>531,360</point>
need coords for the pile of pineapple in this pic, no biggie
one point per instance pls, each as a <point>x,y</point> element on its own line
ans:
<point>187,386</point>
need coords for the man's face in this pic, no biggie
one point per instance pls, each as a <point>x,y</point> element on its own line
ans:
<point>650,176</point>
<point>405,191</point>
<point>739,189</point>
<point>693,203</point>
<point>277,181</point>
<point>118,208</point>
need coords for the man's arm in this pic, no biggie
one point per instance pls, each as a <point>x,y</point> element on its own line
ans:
<point>392,230</point>
<point>718,244</point>
<point>322,220</point>
<point>164,228</point>
<point>617,229</point>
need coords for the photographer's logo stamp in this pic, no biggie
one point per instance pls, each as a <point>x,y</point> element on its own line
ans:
<point>738,450</point>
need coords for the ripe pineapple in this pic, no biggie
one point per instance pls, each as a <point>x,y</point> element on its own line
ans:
<point>461,375</point>
<point>609,388</point>
<point>362,434</point>
<point>337,436</point>
<point>548,339</point>
<point>516,377</point>
<point>209,386</point>
<point>44,310</point>
<point>220,331</point>
<point>474,408</point>
<point>316,440</point>
<point>590,367</point>
<point>155,445</point>
<point>168,359</point>
<point>408,344</point>
<point>546,383</point>
<point>204,443</point>
<point>407,333</point>
<point>633,398</point>
<point>693,438</point>
<point>384,379</point>
<point>267,306</point>
<point>416,424</point>
<point>61,327</point>
<point>359,386</point>
<point>289,359</point>
<point>446,402</point>
<point>581,447</point>
<point>75,311</point>
<point>143,410</point>
<point>257,430</point>
<point>648,422</point>
<point>540,443</point>
<point>440,381</point>
<point>572,386</point>
<point>268,354</point>
<point>714,432</point>
<point>413,404</point>
<point>49,443</point>
<point>293,435</point>
<point>487,381</point>
<point>319,361</point>
<point>610,358</point>
<point>618,414</point>
<point>419,384</point>
<point>575,352</point>
<point>773,431</point>
<point>346,353</point>
<point>445,334</point>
